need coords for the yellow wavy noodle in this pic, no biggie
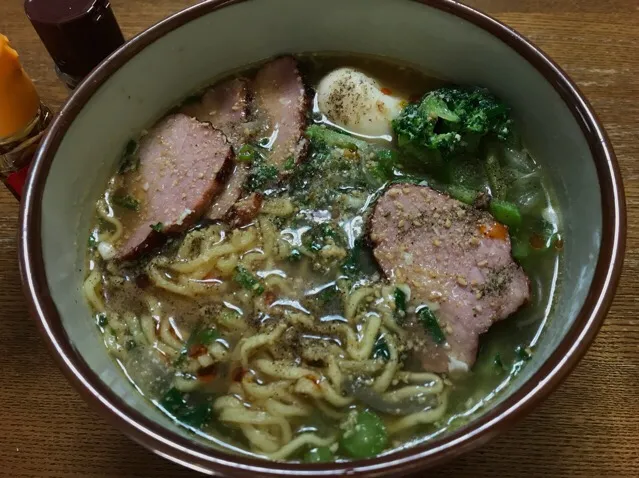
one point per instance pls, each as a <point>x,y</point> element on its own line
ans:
<point>281,207</point>
<point>106,214</point>
<point>91,287</point>
<point>249,345</point>
<point>354,300</point>
<point>270,401</point>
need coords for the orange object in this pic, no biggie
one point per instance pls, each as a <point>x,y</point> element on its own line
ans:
<point>496,231</point>
<point>19,101</point>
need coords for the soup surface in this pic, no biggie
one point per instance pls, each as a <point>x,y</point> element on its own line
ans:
<point>303,261</point>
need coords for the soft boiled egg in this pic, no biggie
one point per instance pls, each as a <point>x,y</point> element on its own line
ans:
<point>356,102</point>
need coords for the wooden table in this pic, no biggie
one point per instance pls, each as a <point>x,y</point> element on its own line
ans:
<point>588,428</point>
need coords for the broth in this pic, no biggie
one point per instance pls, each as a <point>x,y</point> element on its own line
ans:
<point>282,336</point>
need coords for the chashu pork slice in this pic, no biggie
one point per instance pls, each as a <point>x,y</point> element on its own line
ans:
<point>457,260</point>
<point>281,101</point>
<point>183,164</point>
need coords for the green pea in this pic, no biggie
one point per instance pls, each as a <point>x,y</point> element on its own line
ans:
<point>246,153</point>
<point>318,455</point>
<point>366,437</point>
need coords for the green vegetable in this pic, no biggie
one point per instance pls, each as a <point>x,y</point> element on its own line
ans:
<point>364,435</point>
<point>101,319</point>
<point>199,336</point>
<point>430,323</point>
<point>450,120</point>
<point>380,349</point>
<point>333,139</point>
<point>93,241</point>
<point>519,248</point>
<point>327,294</point>
<point>126,201</point>
<point>400,303</point>
<point>496,179</point>
<point>319,455</point>
<point>157,227</point>
<point>498,362</point>
<point>467,196</point>
<point>290,163</point>
<point>523,353</point>
<point>319,234</point>
<point>129,161</point>
<point>247,280</point>
<point>295,255</point>
<point>262,175</point>
<point>246,153</point>
<point>385,162</point>
<point>505,212</point>
<point>191,414</point>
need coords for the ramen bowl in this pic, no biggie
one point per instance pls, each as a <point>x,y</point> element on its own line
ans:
<point>156,69</point>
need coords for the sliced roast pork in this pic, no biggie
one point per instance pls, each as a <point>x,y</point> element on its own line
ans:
<point>182,166</point>
<point>456,260</point>
<point>281,100</point>
<point>226,107</point>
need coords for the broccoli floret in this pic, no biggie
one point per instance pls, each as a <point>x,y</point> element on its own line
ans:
<point>450,120</point>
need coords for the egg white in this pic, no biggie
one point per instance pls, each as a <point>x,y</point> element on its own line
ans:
<point>356,102</point>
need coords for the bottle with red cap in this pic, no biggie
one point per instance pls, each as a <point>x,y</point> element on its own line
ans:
<point>23,119</point>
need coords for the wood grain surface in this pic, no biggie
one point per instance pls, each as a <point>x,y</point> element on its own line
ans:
<point>588,428</point>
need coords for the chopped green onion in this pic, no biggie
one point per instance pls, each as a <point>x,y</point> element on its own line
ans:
<point>157,227</point>
<point>465,195</point>
<point>102,320</point>
<point>430,323</point>
<point>380,349</point>
<point>183,410</point>
<point>126,201</point>
<point>505,212</point>
<point>400,303</point>
<point>247,280</point>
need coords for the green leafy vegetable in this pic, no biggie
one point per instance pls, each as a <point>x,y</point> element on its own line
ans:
<point>183,410</point>
<point>157,227</point>
<point>262,175</point>
<point>129,161</point>
<point>380,349</point>
<point>93,241</point>
<point>431,324</point>
<point>400,303</point>
<point>199,336</point>
<point>127,201</point>
<point>247,280</point>
<point>318,455</point>
<point>364,435</point>
<point>450,120</point>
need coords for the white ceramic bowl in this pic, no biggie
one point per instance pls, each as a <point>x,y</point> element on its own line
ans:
<point>138,83</point>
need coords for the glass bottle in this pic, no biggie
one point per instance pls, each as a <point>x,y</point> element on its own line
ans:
<point>23,119</point>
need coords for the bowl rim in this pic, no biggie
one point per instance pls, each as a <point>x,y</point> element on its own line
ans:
<point>199,457</point>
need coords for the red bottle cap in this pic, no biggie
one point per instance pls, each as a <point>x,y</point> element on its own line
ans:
<point>78,34</point>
